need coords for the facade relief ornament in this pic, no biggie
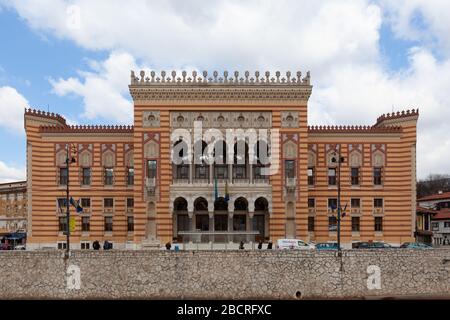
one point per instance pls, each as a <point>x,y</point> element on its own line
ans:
<point>289,119</point>
<point>218,119</point>
<point>150,119</point>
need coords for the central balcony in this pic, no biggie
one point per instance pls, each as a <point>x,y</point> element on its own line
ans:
<point>240,175</point>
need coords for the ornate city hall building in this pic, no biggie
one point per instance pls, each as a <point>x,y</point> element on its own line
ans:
<point>135,196</point>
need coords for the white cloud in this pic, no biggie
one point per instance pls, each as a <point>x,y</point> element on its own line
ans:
<point>358,94</point>
<point>420,20</point>
<point>217,34</point>
<point>337,40</point>
<point>103,90</point>
<point>10,173</point>
<point>12,106</point>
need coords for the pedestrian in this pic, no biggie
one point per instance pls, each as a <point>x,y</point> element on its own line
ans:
<point>241,245</point>
<point>260,245</point>
<point>106,245</point>
<point>168,245</point>
<point>96,245</point>
<point>269,246</point>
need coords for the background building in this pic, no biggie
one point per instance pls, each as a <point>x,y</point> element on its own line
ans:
<point>439,205</point>
<point>134,196</point>
<point>13,207</point>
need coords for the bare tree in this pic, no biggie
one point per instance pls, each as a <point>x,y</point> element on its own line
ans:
<point>433,184</point>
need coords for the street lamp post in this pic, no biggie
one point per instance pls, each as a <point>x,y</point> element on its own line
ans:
<point>339,160</point>
<point>69,160</point>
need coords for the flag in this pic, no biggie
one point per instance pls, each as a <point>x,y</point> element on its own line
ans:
<point>216,192</point>
<point>227,196</point>
<point>344,211</point>
<point>72,224</point>
<point>76,204</point>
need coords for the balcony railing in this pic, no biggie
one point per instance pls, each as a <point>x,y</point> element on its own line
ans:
<point>291,182</point>
<point>182,181</point>
<point>241,181</point>
<point>378,210</point>
<point>150,182</point>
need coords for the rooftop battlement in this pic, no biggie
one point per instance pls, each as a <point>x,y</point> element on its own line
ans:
<point>397,115</point>
<point>225,79</point>
<point>44,114</point>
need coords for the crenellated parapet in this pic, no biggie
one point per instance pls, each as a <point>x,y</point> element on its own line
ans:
<point>45,115</point>
<point>220,89</point>
<point>225,78</point>
<point>397,115</point>
<point>354,129</point>
<point>87,129</point>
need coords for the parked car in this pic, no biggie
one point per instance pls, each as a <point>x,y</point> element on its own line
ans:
<point>20,247</point>
<point>415,245</point>
<point>5,246</point>
<point>327,246</point>
<point>374,245</point>
<point>294,244</point>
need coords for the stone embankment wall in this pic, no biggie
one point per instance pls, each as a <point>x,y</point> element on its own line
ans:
<point>224,274</point>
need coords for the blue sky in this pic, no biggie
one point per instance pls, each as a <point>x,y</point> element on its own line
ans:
<point>373,55</point>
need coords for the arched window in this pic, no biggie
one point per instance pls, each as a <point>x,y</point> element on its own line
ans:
<point>261,204</point>
<point>201,205</point>
<point>220,160</point>
<point>262,160</point>
<point>240,204</point>
<point>180,207</point>
<point>240,160</point>
<point>201,171</point>
<point>220,204</point>
<point>201,214</point>
<point>180,158</point>
<point>260,219</point>
<point>180,204</point>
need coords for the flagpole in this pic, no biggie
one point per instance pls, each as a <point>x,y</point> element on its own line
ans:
<point>340,160</point>
<point>339,202</point>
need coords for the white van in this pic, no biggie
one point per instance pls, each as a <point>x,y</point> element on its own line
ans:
<point>293,244</point>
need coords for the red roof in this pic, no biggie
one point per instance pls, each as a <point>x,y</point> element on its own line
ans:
<point>437,196</point>
<point>425,210</point>
<point>442,214</point>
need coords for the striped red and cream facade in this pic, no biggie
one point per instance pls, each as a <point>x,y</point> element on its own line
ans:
<point>290,203</point>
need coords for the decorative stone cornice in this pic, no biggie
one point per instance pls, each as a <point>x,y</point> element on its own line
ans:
<point>224,89</point>
<point>216,80</point>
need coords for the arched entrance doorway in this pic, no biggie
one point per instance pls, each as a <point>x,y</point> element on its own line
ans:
<point>220,219</point>
<point>240,217</point>
<point>181,221</point>
<point>261,219</point>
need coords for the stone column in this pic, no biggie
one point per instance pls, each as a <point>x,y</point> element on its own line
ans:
<point>251,213</point>
<point>191,225</point>
<point>230,225</point>
<point>211,225</point>
<point>211,173</point>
